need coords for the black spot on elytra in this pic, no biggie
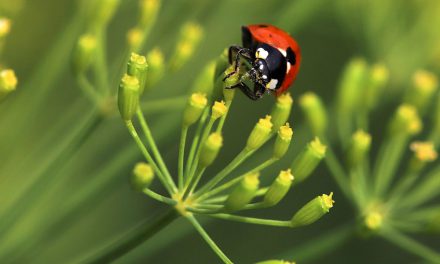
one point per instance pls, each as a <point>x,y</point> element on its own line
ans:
<point>291,56</point>
<point>262,26</point>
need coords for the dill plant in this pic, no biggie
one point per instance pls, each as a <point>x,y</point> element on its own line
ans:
<point>391,181</point>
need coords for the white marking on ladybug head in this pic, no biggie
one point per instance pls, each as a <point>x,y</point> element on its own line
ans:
<point>261,53</point>
<point>272,84</point>
<point>264,76</point>
<point>261,67</point>
<point>288,67</point>
<point>283,52</point>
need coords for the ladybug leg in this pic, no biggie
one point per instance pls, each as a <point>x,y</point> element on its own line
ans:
<point>253,95</point>
<point>239,53</point>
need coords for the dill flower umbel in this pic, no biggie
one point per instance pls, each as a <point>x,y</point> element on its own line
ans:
<point>389,192</point>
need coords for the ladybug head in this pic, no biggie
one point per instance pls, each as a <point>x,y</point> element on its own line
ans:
<point>268,68</point>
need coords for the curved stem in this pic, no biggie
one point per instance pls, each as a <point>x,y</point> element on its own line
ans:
<point>152,143</point>
<point>159,197</point>
<point>253,220</point>
<point>208,240</point>
<point>133,238</point>
<point>182,155</point>
<point>147,155</point>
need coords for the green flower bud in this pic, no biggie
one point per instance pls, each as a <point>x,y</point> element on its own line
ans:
<point>149,11</point>
<point>313,210</point>
<point>142,176</point>
<point>406,120</point>
<point>103,11</point>
<point>190,37</point>
<point>137,66</point>
<point>315,112</point>
<point>232,80</point>
<point>424,86</point>
<point>282,142</point>
<point>196,103</point>
<point>8,82</point>
<point>243,193</point>
<point>219,109</point>
<point>275,261</point>
<point>352,85</point>
<point>5,27</point>
<point>379,75</point>
<point>134,38</point>
<point>221,64</point>
<point>84,53</point>
<point>279,188</point>
<point>128,97</point>
<point>281,111</point>
<point>210,149</point>
<point>204,82</point>
<point>259,134</point>
<point>359,147</point>
<point>307,161</point>
<point>373,220</point>
<point>156,67</point>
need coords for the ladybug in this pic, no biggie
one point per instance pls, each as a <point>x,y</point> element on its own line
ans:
<point>271,56</point>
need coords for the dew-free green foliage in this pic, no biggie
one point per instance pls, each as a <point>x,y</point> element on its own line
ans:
<point>52,127</point>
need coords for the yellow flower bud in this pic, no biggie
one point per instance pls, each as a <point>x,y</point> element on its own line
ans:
<point>8,82</point>
<point>84,53</point>
<point>204,82</point>
<point>373,220</point>
<point>137,66</point>
<point>259,134</point>
<point>359,147</point>
<point>281,111</point>
<point>420,94</point>
<point>156,67</point>
<point>190,36</point>
<point>128,97</point>
<point>142,176</point>
<point>282,142</point>
<point>379,75</point>
<point>307,161</point>
<point>243,193</point>
<point>210,149</point>
<point>279,188</point>
<point>406,120</point>
<point>149,11</point>
<point>315,112</point>
<point>5,27</point>
<point>424,151</point>
<point>135,38</point>
<point>313,210</point>
<point>219,109</point>
<point>196,103</point>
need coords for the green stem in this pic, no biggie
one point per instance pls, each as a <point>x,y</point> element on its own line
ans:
<point>410,244</point>
<point>387,162</point>
<point>159,197</point>
<point>208,240</point>
<point>46,178</point>
<point>152,143</point>
<point>252,220</point>
<point>195,143</point>
<point>223,118</point>
<point>182,155</point>
<point>337,171</point>
<point>232,182</point>
<point>147,155</point>
<point>88,89</point>
<point>133,238</point>
<point>101,71</point>
<point>225,171</point>
<point>166,104</point>
<point>205,135</point>
<point>197,178</point>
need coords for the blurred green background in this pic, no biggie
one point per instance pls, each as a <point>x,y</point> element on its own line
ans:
<point>48,107</point>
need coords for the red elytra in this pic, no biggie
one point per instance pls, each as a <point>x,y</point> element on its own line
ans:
<point>278,38</point>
